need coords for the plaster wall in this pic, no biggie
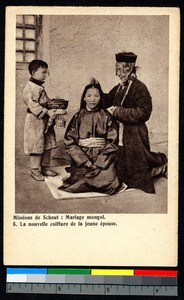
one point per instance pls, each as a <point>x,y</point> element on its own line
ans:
<point>79,47</point>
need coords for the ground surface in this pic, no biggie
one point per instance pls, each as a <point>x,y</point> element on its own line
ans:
<point>34,197</point>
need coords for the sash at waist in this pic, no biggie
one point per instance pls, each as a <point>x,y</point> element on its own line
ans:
<point>92,142</point>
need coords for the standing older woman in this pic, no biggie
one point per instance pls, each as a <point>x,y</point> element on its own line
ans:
<point>130,104</point>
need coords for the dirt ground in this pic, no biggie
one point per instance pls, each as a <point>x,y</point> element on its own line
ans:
<point>35,197</point>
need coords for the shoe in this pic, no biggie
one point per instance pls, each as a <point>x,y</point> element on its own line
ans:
<point>36,174</point>
<point>64,186</point>
<point>123,187</point>
<point>162,170</point>
<point>48,172</point>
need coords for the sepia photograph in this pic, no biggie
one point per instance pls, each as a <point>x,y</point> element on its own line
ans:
<point>91,128</point>
<point>91,119</point>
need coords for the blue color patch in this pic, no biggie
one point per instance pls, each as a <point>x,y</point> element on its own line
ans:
<point>26,271</point>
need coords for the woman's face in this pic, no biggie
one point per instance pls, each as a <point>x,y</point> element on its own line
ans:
<point>123,70</point>
<point>92,98</point>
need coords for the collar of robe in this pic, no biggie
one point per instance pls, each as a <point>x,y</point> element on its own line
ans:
<point>92,110</point>
<point>125,84</point>
<point>38,82</point>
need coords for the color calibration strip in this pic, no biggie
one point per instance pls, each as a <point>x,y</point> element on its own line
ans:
<point>92,281</point>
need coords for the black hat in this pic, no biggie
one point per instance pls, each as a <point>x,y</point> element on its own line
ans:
<point>128,57</point>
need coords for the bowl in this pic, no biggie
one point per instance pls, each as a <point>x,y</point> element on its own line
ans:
<point>59,103</point>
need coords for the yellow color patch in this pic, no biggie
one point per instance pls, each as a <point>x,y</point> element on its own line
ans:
<point>112,272</point>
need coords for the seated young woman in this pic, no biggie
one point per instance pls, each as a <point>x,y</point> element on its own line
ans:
<point>91,140</point>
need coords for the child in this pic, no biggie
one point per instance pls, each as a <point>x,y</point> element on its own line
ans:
<point>91,142</point>
<point>38,141</point>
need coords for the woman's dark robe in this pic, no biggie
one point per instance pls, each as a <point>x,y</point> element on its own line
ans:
<point>134,160</point>
<point>86,124</point>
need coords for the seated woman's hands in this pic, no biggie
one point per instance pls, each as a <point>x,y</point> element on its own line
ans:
<point>95,171</point>
<point>88,164</point>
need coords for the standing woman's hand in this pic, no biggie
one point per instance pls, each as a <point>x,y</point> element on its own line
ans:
<point>111,109</point>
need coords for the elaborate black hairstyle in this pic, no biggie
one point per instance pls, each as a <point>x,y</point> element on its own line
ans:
<point>96,85</point>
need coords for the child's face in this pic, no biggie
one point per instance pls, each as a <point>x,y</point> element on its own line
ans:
<point>92,98</point>
<point>40,74</point>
